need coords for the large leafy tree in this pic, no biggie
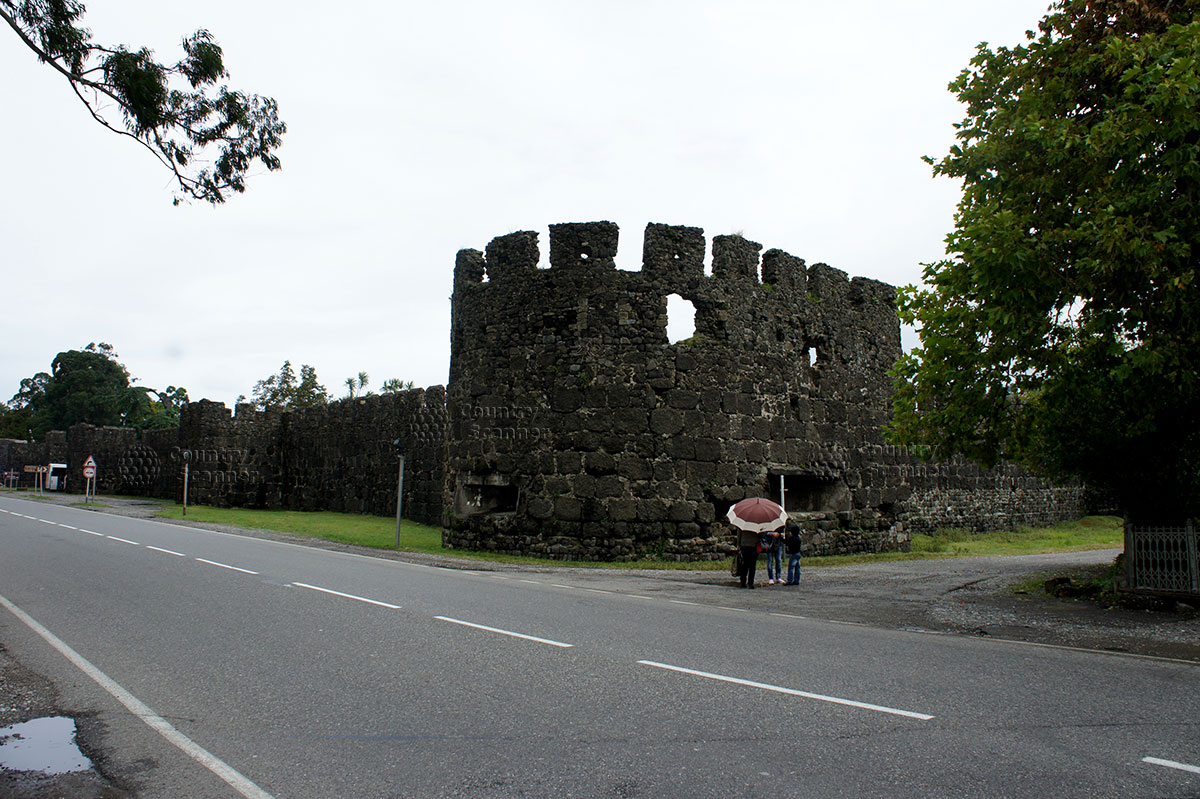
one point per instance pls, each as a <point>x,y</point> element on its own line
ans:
<point>1063,329</point>
<point>205,133</point>
<point>285,391</point>
<point>88,385</point>
<point>155,409</point>
<point>84,386</point>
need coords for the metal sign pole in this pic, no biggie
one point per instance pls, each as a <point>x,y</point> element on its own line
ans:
<point>399,501</point>
<point>187,457</point>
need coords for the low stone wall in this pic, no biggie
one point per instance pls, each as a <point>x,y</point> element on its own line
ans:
<point>960,494</point>
<point>16,454</point>
<point>338,457</point>
<point>107,446</point>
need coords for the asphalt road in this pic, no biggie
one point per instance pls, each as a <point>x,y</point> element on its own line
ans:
<point>236,666</point>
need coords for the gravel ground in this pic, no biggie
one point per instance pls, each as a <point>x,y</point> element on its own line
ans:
<point>966,596</point>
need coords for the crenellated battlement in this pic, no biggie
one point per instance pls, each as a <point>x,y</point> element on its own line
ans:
<point>808,306</point>
<point>670,254</point>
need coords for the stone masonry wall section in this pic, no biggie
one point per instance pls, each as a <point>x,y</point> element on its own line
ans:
<point>575,429</point>
<point>337,457</point>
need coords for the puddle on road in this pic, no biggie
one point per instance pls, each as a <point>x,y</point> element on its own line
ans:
<point>46,745</point>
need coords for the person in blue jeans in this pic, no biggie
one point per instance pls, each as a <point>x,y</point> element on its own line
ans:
<point>792,545</point>
<point>774,544</point>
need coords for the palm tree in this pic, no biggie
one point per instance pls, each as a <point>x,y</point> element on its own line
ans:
<point>394,385</point>
<point>357,384</point>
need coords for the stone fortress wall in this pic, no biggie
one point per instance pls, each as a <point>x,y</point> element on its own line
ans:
<point>338,457</point>
<point>571,427</point>
<point>577,430</point>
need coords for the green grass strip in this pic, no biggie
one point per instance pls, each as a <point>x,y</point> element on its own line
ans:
<point>1093,532</point>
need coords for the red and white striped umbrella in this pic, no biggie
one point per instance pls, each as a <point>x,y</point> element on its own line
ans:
<point>757,515</point>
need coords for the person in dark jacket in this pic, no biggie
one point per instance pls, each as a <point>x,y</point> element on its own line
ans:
<point>792,545</point>
<point>748,543</point>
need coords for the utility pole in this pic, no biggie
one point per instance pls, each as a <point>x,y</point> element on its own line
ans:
<point>399,447</point>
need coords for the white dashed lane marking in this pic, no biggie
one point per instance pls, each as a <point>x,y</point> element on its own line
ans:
<point>347,596</point>
<point>1157,761</point>
<point>226,566</point>
<point>779,689</point>
<point>509,633</point>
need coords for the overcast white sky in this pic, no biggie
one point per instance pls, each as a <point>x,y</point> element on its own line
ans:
<point>417,129</point>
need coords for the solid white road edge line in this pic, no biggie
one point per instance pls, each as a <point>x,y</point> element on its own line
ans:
<point>789,691</point>
<point>1171,764</point>
<point>347,596</point>
<point>505,632</point>
<point>225,566</point>
<point>230,776</point>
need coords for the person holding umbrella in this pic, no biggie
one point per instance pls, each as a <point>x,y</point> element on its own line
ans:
<point>753,517</point>
<point>748,543</point>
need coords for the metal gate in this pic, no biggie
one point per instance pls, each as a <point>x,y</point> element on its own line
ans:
<point>1163,559</point>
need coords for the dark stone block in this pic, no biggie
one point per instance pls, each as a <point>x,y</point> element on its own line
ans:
<point>599,463</point>
<point>673,252</point>
<point>512,255</point>
<point>586,244</point>
<point>735,257</point>
<point>665,422</point>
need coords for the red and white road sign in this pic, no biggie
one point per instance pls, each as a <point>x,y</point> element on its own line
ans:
<point>89,471</point>
<point>91,461</point>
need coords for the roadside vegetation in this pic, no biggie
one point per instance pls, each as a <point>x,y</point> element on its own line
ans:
<point>1093,532</point>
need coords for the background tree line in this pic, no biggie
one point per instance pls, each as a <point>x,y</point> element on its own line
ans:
<point>90,385</point>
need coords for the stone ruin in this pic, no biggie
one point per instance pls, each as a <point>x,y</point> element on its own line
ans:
<point>571,427</point>
<point>575,429</point>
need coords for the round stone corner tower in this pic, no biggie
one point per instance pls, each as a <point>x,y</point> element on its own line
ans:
<point>576,430</point>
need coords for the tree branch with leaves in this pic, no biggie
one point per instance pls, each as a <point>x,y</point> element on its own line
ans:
<point>207,135</point>
<point>1063,329</point>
